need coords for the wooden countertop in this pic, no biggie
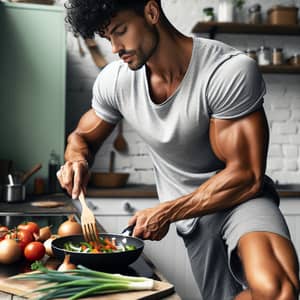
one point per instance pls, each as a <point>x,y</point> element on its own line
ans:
<point>285,194</point>
<point>130,190</point>
<point>149,191</point>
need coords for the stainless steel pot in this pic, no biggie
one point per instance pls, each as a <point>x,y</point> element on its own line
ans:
<point>14,192</point>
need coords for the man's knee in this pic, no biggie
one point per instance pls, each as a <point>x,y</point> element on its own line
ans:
<point>274,288</point>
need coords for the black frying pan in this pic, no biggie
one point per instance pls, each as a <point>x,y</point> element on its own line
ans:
<point>100,261</point>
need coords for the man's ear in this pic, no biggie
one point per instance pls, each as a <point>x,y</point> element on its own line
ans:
<point>152,12</point>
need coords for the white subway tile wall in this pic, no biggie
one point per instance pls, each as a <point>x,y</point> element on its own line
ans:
<point>282,102</point>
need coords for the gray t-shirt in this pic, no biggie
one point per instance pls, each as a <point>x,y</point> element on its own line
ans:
<point>220,82</point>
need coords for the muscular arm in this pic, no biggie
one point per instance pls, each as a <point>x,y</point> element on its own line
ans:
<point>82,146</point>
<point>85,140</point>
<point>242,144</point>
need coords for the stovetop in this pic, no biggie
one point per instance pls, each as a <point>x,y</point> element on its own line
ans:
<point>138,268</point>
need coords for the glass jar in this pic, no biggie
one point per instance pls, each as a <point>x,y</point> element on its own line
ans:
<point>277,56</point>
<point>254,14</point>
<point>294,59</point>
<point>208,14</point>
<point>264,56</point>
<point>251,53</point>
<point>225,11</point>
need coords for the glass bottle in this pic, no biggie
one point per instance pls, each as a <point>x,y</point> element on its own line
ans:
<point>53,167</point>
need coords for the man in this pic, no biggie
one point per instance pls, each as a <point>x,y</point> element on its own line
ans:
<point>198,105</point>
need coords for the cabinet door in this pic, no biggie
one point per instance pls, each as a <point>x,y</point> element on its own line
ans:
<point>32,85</point>
<point>290,208</point>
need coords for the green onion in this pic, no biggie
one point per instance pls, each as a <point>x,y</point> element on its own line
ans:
<point>81,282</point>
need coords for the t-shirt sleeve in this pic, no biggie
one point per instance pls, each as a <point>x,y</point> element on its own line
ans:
<point>104,100</point>
<point>235,89</point>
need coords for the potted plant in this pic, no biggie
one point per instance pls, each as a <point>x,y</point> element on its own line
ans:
<point>239,10</point>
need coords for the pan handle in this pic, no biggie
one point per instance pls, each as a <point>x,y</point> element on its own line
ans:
<point>128,230</point>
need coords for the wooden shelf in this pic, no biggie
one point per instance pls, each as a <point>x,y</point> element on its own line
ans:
<point>288,69</point>
<point>243,28</point>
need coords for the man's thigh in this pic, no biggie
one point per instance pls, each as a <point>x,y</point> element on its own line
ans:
<point>256,215</point>
<point>209,261</point>
<point>270,265</point>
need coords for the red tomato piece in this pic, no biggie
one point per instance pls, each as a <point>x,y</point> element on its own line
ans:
<point>30,226</point>
<point>34,251</point>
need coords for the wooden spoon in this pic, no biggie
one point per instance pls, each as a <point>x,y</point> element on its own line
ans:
<point>120,143</point>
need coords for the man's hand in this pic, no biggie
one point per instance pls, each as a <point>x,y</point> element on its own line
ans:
<point>150,223</point>
<point>83,143</point>
<point>74,176</point>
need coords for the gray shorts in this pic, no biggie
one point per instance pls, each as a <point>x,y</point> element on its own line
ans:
<point>212,245</point>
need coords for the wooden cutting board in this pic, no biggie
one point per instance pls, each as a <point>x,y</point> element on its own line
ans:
<point>20,287</point>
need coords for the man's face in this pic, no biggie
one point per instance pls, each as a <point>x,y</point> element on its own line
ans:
<point>132,38</point>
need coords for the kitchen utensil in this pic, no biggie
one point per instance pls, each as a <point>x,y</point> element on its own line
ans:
<point>88,221</point>
<point>29,173</point>
<point>96,54</point>
<point>111,179</point>
<point>81,51</point>
<point>120,143</point>
<point>13,192</point>
<point>100,261</point>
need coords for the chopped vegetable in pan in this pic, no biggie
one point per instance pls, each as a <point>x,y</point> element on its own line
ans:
<point>105,245</point>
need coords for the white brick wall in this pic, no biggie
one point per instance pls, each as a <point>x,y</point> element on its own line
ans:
<point>282,102</point>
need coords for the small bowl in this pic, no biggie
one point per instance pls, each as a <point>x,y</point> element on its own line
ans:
<point>109,180</point>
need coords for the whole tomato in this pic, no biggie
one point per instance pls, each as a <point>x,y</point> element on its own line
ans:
<point>24,237</point>
<point>34,251</point>
<point>30,226</point>
<point>3,231</point>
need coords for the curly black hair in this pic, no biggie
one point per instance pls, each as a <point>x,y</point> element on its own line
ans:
<point>90,17</point>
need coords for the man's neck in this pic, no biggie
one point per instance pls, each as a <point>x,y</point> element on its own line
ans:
<point>172,57</point>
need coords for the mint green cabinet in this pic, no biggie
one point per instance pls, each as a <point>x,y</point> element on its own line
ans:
<point>32,83</point>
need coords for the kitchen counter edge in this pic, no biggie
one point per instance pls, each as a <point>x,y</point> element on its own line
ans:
<point>149,191</point>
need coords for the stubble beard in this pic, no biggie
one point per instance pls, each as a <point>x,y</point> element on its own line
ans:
<point>142,56</point>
